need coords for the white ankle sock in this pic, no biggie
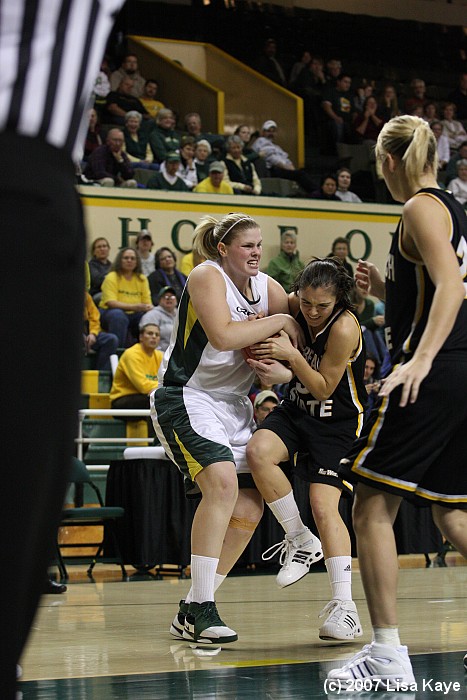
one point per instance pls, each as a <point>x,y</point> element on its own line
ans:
<point>218,579</point>
<point>286,512</point>
<point>387,635</point>
<point>203,573</point>
<point>340,577</point>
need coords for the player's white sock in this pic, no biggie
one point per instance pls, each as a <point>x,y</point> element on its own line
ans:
<point>203,572</point>
<point>286,512</point>
<point>218,579</point>
<point>387,635</point>
<point>340,577</point>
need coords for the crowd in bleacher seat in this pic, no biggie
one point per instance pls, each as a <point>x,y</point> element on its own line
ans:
<point>340,107</point>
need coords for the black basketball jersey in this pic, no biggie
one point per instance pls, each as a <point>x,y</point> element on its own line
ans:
<point>350,397</point>
<point>409,289</point>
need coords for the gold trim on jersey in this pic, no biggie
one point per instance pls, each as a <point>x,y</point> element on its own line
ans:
<point>419,306</point>
<point>190,321</point>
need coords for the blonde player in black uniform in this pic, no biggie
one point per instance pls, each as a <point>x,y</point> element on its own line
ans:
<point>202,413</point>
<point>413,443</point>
<point>322,417</point>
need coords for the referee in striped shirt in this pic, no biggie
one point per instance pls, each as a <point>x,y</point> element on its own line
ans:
<point>50,53</point>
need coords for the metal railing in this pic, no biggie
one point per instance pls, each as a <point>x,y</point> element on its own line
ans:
<point>101,413</point>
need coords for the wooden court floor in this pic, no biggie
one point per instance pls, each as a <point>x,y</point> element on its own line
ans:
<point>108,639</point>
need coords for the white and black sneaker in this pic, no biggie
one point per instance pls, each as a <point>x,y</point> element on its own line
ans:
<point>377,662</point>
<point>178,623</point>
<point>297,554</point>
<point>342,622</point>
<point>204,626</point>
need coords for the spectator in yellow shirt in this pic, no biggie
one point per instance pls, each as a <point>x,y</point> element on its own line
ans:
<point>97,341</point>
<point>136,374</point>
<point>125,296</point>
<point>214,183</point>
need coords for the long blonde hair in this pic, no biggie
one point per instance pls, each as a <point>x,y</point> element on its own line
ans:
<point>412,140</point>
<point>210,232</point>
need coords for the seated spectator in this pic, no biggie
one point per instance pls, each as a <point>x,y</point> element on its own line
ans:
<point>372,381</point>
<point>459,97</point>
<point>96,341</point>
<point>344,180</point>
<point>458,186</point>
<point>240,173</point>
<point>144,244</point>
<point>340,249</point>
<point>120,101</point>
<point>430,112</point>
<point>338,108</point>
<point>101,87</point>
<point>168,178</point>
<point>451,168</point>
<point>362,92</point>
<point>136,374</point>
<point>128,69</point>
<point>333,70</point>
<point>265,401</point>
<point>187,167</point>
<point>367,125</point>
<point>193,127</point>
<point>163,139</point>
<point>388,104</point>
<point>163,315</point>
<point>269,65</point>
<point>99,266</point>
<point>452,128</point>
<point>287,264</point>
<point>166,275</point>
<point>148,98</point>
<point>203,159</point>
<point>93,134</point>
<point>137,142</point>
<point>327,189</point>
<point>125,296</point>
<point>370,322</point>
<point>214,184</point>
<point>277,160</point>
<point>109,165</point>
<point>310,85</point>
<point>248,137</point>
<point>442,142</point>
<point>417,96</point>
<point>303,62</point>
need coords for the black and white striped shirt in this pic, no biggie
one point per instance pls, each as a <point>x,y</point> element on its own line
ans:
<point>50,54</point>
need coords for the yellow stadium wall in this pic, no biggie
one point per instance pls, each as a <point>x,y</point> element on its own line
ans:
<point>119,214</point>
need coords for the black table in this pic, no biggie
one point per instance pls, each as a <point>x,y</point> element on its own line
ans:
<point>156,528</point>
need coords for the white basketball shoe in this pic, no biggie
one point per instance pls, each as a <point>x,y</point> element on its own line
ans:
<point>297,554</point>
<point>377,662</point>
<point>342,622</point>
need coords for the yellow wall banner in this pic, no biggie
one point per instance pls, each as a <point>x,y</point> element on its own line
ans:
<point>119,214</point>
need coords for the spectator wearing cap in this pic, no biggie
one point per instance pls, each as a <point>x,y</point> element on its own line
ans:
<point>163,315</point>
<point>285,267</point>
<point>144,245</point>
<point>214,183</point>
<point>264,403</point>
<point>277,160</point>
<point>167,178</point>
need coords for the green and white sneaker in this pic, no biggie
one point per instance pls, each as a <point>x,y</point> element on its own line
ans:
<point>178,624</point>
<point>204,626</point>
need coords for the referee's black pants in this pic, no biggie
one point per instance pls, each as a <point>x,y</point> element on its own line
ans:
<point>41,302</point>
